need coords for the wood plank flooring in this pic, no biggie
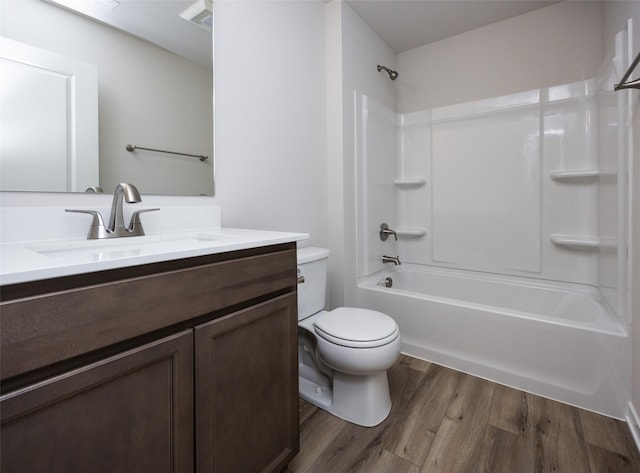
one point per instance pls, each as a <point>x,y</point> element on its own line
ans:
<point>446,421</point>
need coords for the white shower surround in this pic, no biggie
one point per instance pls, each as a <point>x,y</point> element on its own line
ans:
<point>503,196</point>
<point>495,185</point>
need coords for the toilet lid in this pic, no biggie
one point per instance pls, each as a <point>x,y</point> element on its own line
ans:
<point>358,328</point>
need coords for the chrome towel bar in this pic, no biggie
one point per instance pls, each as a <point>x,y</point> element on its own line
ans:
<point>634,84</point>
<point>201,157</point>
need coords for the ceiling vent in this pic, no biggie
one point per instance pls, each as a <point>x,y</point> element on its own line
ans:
<point>200,14</point>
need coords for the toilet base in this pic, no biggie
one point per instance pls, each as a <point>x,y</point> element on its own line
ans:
<point>361,400</point>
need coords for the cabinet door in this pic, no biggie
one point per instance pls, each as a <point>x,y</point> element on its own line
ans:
<point>247,389</point>
<point>132,412</point>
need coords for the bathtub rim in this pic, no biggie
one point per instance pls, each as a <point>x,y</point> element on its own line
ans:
<point>603,390</point>
<point>610,324</point>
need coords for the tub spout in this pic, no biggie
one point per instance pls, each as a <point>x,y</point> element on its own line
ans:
<point>391,259</point>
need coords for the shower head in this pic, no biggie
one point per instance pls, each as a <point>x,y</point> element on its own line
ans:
<point>393,75</point>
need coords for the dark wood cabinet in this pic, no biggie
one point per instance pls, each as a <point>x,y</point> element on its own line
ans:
<point>182,366</point>
<point>132,412</point>
<point>246,389</point>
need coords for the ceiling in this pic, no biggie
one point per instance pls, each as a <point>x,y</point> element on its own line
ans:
<point>403,24</point>
<point>407,24</point>
<point>157,21</point>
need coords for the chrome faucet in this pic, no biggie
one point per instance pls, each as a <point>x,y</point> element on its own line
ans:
<point>391,259</point>
<point>94,190</point>
<point>124,193</point>
<point>128,193</point>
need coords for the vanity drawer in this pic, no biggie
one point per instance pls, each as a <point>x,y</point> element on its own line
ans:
<point>42,329</point>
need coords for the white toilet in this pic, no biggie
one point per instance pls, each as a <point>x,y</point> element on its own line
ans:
<point>344,354</point>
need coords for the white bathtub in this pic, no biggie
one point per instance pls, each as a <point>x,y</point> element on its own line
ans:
<point>553,339</point>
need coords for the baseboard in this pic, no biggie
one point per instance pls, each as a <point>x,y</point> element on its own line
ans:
<point>633,421</point>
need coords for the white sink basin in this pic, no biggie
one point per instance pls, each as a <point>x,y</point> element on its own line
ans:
<point>109,249</point>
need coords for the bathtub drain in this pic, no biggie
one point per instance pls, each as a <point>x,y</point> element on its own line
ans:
<point>386,282</point>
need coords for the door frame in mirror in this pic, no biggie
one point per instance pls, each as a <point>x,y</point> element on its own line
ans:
<point>79,145</point>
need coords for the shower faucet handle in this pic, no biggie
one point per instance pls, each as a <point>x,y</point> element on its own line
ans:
<point>385,231</point>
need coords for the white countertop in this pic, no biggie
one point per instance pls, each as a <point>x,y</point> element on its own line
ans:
<point>25,261</point>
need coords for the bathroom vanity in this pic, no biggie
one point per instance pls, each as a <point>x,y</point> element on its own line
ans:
<point>181,365</point>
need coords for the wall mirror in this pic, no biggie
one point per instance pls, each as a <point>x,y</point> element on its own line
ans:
<point>154,67</point>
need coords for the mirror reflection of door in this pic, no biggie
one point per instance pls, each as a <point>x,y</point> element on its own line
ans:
<point>49,120</point>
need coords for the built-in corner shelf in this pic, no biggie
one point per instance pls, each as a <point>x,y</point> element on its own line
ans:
<point>411,232</point>
<point>575,242</point>
<point>410,181</point>
<point>576,176</point>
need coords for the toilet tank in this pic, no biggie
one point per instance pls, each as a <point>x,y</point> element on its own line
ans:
<point>312,265</point>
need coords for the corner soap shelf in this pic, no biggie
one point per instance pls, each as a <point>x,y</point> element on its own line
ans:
<point>577,176</point>
<point>585,243</point>
<point>410,181</point>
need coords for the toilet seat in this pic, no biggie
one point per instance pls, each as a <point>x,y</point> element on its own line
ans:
<point>356,328</point>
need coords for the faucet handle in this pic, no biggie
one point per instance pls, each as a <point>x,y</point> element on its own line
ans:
<point>385,231</point>
<point>97,229</point>
<point>135,226</point>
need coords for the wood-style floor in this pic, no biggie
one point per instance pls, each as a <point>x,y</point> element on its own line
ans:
<point>446,421</point>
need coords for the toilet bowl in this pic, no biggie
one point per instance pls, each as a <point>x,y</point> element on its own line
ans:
<point>344,354</point>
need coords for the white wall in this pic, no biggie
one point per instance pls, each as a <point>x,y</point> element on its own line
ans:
<point>615,15</point>
<point>362,51</point>
<point>147,96</point>
<point>271,171</point>
<point>338,264</point>
<point>554,45</point>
